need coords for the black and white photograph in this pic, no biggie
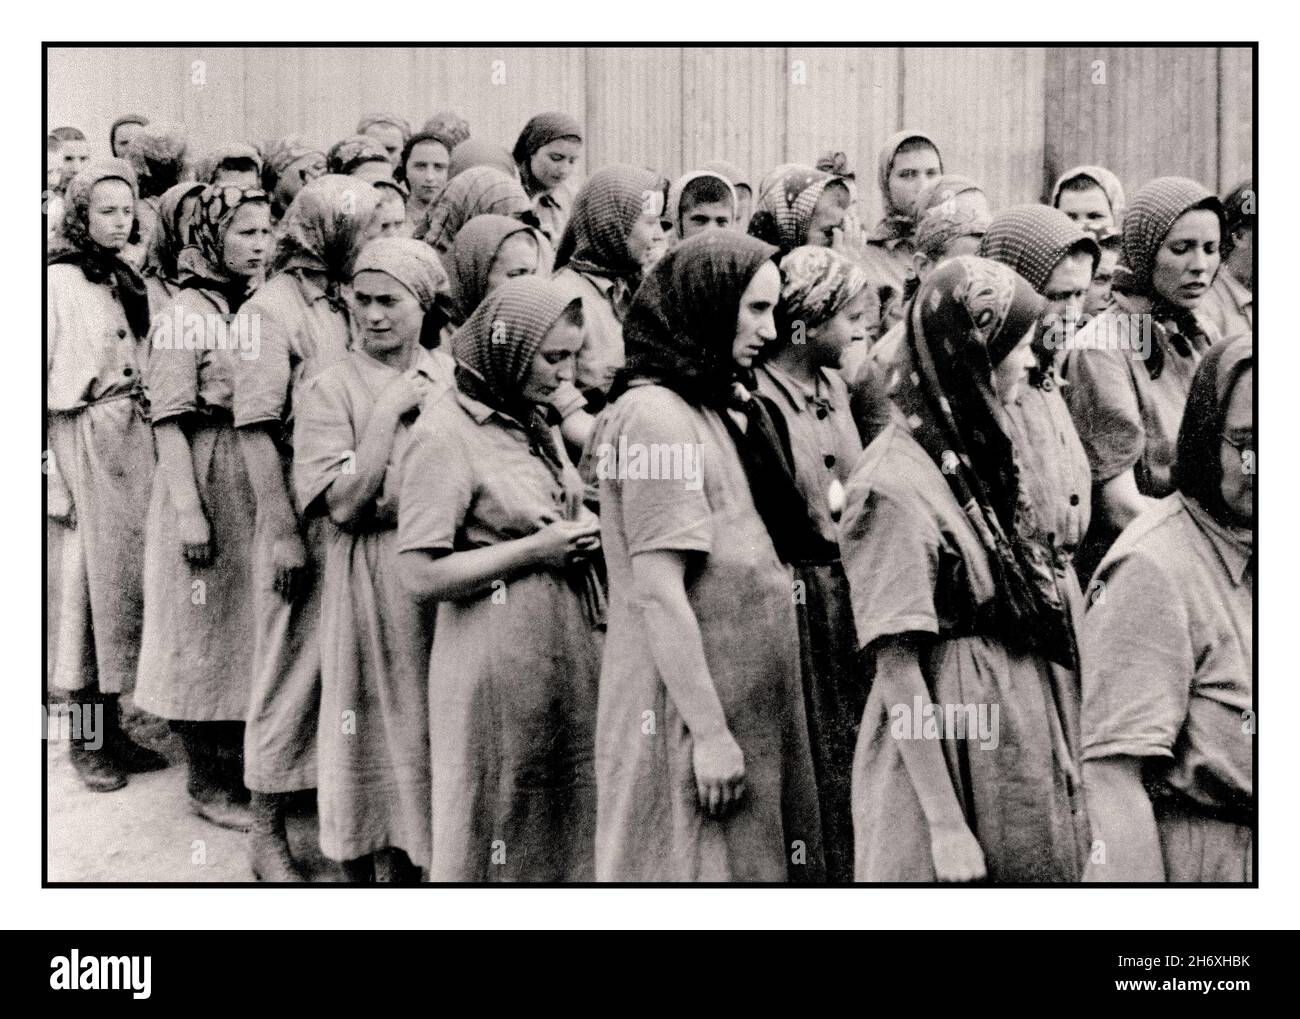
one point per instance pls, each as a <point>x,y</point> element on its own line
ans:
<point>659,467</point>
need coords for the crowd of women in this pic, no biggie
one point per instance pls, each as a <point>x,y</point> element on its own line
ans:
<point>651,531</point>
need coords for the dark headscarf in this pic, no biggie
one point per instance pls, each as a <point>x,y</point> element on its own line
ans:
<point>201,264</point>
<point>605,209</point>
<point>99,264</point>
<point>784,210</point>
<point>172,233</point>
<point>324,228</point>
<point>126,118</point>
<point>965,320</point>
<point>1197,470</point>
<point>1147,223</point>
<point>538,132</point>
<point>679,333</point>
<point>472,255</point>
<point>157,155</point>
<point>399,172</point>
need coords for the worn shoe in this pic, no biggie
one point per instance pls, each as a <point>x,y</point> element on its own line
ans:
<point>220,809</point>
<point>98,770</point>
<point>130,756</point>
<point>268,842</point>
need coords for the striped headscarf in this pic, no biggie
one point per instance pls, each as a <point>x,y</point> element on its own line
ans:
<point>784,210</point>
<point>606,208</point>
<point>540,131</point>
<point>408,261</point>
<point>1100,176</point>
<point>816,283</point>
<point>472,255</point>
<point>1032,240</point>
<point>479,190</point>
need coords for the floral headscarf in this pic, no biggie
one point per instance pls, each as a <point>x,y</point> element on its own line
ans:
<point>324,228</point>
<point>200,265</point>
<point>816,283</point>
<point>479,190</point>
<point>784,210</point>
<point>282,154</point>
<point>605,209</point>
<point>538,132</point>
<point>345,156</point>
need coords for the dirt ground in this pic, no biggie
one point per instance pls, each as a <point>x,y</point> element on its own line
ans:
<point>146,831</point>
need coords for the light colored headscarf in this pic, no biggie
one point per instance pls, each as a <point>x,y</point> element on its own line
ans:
<point>938,228</point>
<point>451,127</point>
<point>283,153</point>
<point>729,172</point>
<point>784,210</point>
<point>472,255</point>
<point>126,118</point>
<point>479,190</point>
<point>76,211</point>
<point>391,119</point>
<point>1103,178</point>
<point>678,189</point>
<point>942,188</point>
<point>477,152</point>
<point>606,208</point>
<point>322,230</point>
<point>207,164</point>
<point>895,224</point>
<point>412,263</point>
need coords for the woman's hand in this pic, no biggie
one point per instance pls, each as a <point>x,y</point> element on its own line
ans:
<point>196,538</point>
<point>956,854</point>
<point>289,567</point>
<point>719,766</point>
<point>563,541</point>
<point>400,397</point>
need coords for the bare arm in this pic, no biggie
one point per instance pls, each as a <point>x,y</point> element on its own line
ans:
<point>1121,501</point>
<point>1123,822</point>
<point>265,473</point>
<point>177,465</point>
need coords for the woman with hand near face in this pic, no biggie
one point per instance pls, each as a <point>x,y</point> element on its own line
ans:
<point>493,528</point>
<point>100,462</point>
<point>946,605</point>
<point>350,434</point>
<point>1168,739</point>
<point>1131,367</point>
<point>201,517</point>
<point>704,770</point>
<point>546,152</point>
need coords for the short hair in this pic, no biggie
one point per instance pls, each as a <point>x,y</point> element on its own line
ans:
<point>1080,182</point>
<point>68,134</point>
<point>1239,212</point>
<point>704,191</point>
<point>915,145</point>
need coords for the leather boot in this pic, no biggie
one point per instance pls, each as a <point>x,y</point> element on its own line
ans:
<point>268,843</point>
<point>130,756</point>
<point>88,751</point>
<point>209,798</point>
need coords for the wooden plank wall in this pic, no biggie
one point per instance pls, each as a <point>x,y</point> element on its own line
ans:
<point>1012,118</point>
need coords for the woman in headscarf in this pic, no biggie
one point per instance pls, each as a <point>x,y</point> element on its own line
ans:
<point>447,125</point>
<point>1129,369</point>
<point>475,152</point>
<point>158,155</point>
<point>615,233</point>
<point>290,163</point>
<point>359,156</point>
<point>739,180</point>
<point>423,166</point>
<point>123,131</point>
<point>349,437</point>
<point>304,328</point>
<point>1168,681</point>
<point>235,163</point>
<point>477,191</point>
<point>546,151</point>
<point>493,528</point>
<point>388,129</point>
<point>201,516</point>
<point>171,236</point>
<point>1230,304</point>
<point>1093,197</point>
<point>698,201</point>
<point>1057,258</point>
<point>822,311</point>
<point>906,163</point>
<point>704,771</point>
<point>798,206</point>
<point>488,251</point>
<point>99,464</point>
<point>967,759</point>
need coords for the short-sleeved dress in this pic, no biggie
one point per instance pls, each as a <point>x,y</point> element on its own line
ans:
<point>1168,677</point>
<point>825,445</point>
<point>601,354</point>
<point>650,826</point>
<point>196,657</point>
<point>300,332</point>
<point>514,670</point>
<point>101,464</point>
<point>916,566</point>
<point>375,637</point>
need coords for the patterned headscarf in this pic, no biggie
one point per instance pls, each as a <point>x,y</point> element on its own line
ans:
<point>1198,471</point>
<point>836,163</point>
<point>605,209</point>
<point>206,166</point>
<point>966,319</point>
<point>1032,240</point>
<point>157,154</point>
<point>1100,176</point>
<point>479,190</point>
<point>938,228</point>
<point>730,172</point>
<point>127,118</point>
<point>173,232</point>
<point>476,152</point>
<point>323,229</point>
<point>345,156</point>
<point>538,132</point>
<point>472,255</point>
<point>675,193</point>
<point>452,128</point>
<point>816,283</point>
<point>784,210</point>
<point>200,264</point>
<point>391,119</point>
<point>408,261</point>
<point>943,188</point>
<point>679,333</point>
<point>282,154</point>
<point>896,224</point>
<point>76,247</point>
